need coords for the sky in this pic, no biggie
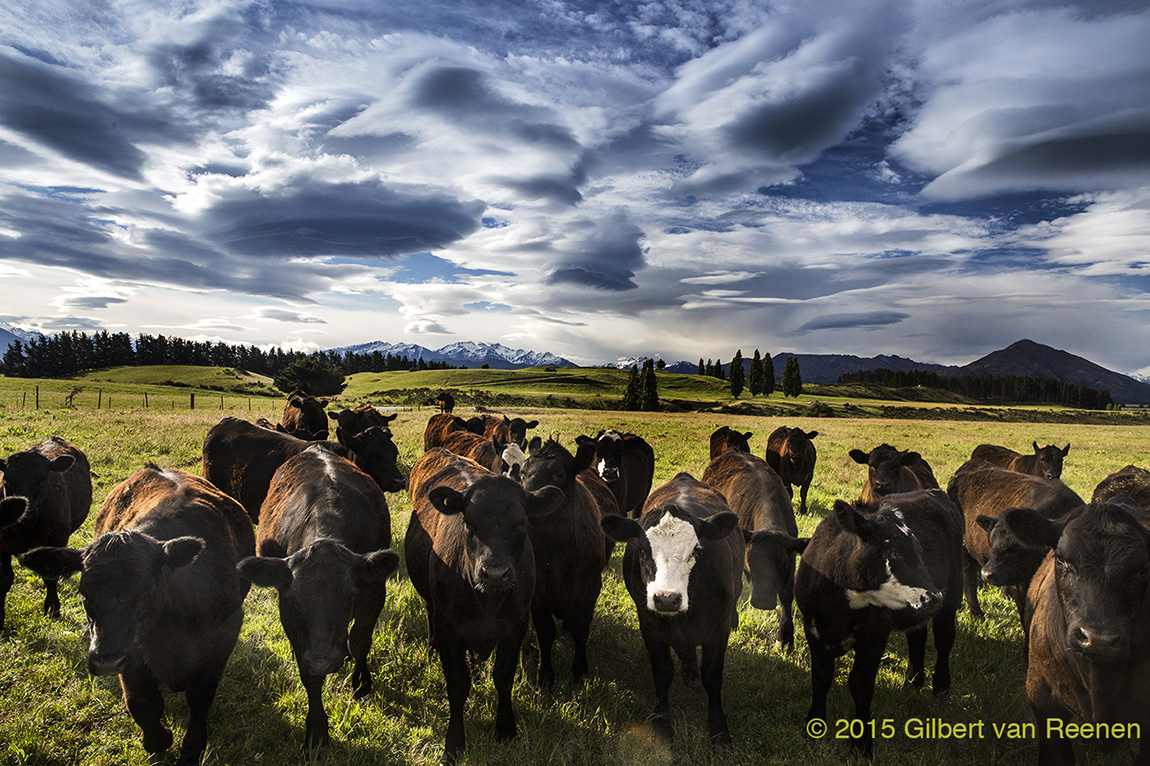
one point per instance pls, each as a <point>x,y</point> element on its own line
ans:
<point>929,178</point>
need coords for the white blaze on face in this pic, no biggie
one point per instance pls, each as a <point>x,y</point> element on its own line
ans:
<point>602,467</point>
<point>513,456</point>
<point>892,594</point>
<point>673,543</point>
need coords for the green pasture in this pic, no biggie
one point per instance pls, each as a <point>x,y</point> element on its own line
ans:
<point>52,712</point>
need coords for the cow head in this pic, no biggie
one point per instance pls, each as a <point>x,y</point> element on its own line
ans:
<point>512,458</point>
<point>1050,460</point>
<point>551,464</point>
<point>667,541</point>
<point>770,558</point>
<point>518,428</point>
<point>34,477</point>
<point>885,569</point>
<point>797,444</point>
<point>374,453</point>
<point>1101,575</point>
<point>608,459</point>
<point>724,439</point>
<point>496,513</point>
<point>358,420</point>
<point>1019,540</point>
<point>309,416</point>
<point>318,586</point>
<point>123,580</point>
<point>884,464</point>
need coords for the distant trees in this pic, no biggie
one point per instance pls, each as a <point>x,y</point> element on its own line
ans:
<point>702,368</point>
<point>792,378</point>
<point>313,375</point>
<point>1005,388</point>
<point>631,393</point>
<point>737,379</point>
<point>768,375</point>
<point>755,375</point>
<point>642,392</point>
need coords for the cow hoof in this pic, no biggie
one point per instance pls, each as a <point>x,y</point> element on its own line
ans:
<point>159,742</point>
<point>722,741</point>
<point>664,733</point>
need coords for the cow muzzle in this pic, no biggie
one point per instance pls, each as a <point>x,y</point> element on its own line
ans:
<point>1098,642</point>
<point>102,664</point>
<point>495,577</point>
<point>667,602</point>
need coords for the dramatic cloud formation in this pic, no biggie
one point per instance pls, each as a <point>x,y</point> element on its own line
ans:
<point>934,180</point>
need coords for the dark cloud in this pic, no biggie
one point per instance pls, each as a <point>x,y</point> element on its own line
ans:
<point>286,315</point>
<point>93,301</point>
<point>554,188</point>
<point>607,255</point>
<point>846,321</point>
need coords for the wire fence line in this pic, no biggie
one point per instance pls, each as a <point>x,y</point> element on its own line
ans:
<point>121,400</point>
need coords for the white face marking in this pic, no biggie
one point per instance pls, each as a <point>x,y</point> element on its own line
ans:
<point>902,523</point>
<point>602,467</point>
<point>673,544</point>
<point>890,595</point>
<point>513,456</point>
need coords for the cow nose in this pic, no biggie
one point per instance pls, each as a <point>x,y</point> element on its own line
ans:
<point>989,575</point>
<point>1097,642</point>
<point>398,484</point>
<point>931,599</point>
<point>318,665</point>
<point>106,664</point>
<point>610,474</point>
<point>495,576</point>
<point>666,601</point>
<point>882,488</point>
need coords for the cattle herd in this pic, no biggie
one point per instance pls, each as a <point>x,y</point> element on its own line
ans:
<point>506,533</point>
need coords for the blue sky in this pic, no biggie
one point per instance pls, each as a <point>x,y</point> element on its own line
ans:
<point>678,179</point>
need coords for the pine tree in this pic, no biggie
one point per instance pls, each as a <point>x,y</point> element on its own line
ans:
<point>755,377</point>
<point>631,394</point>
<point>702,369</point>
<point>719,370</point>
<point>649,391</point>
<point>792,379</point>
<point>768,375</point>
<point>737,374</point>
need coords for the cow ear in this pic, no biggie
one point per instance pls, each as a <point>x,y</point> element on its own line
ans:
<point>718,526</point>
<point>748,435</point>
<point>61,463</point>
<point>265,572</point>
<point>1035,445</point>
<point>534,444</point>
<point>543,501</point>
<point>800,544</point>
<point>181,551</point>
<point>447,501</point>
<point>376,567</point>
<point>859,456</point>
<point>584,457</point>
<point>333,415</point>
<point>986,522</point>
<point>3,465</point>
<point>812,434</point>
<point>620,528</point>
<point>908,458</point>
<point>11,509</point>
<point>850,519</point>
<point>583,439</point>
<point>1032,528</point>
<point>346,439</point>
<point>531,423</point>
<point>512,471</point>
<point>388,418</point>
<point>53,563</point>
<point>1065,450</point>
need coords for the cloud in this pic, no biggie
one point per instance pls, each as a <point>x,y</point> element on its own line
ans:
<point>603,255</point>
<point>840,321</point>
<point>286,315</point>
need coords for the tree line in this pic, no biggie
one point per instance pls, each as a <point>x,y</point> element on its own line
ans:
<point>67,353</point>
<point>989,388</point>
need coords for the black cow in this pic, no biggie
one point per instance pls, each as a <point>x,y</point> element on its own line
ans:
<point>1132,481</point>
<point>163,598</point>
<point>627,463</point>
<point>504,429</point>
<point>303,412</point>
<point>866,573</point>
<point>891,471</point>
<point>757,496</point>
<point>444,400</point>
<point>360,418</point>
<point>323,528</point>
<point>470,558</point>
<point>54,479</point>
<point>569,551</point>
<point>1088,612</point>
<point>724,439</point>
<point>241,458</point>
<point>684,569</point>
<point>792,455</point>
<point>1046,462</point>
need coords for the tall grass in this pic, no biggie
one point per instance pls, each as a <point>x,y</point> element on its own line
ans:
<point>52,712</point>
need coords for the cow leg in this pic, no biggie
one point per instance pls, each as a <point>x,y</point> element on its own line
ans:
<point>822,676</point>
<point>545,638</point>
<point>915,657</point>
<point>367,608</point>
<point>787,617</point>
<point>868,654</point>
<point>579,626</point>
<point>199,695</point>
<point>714,654</point>
<point>7,577</point>
<point>146,706</point>
<point>51,599</point>
<point>1052,751</point>
<point>944,632</point>
<point>663,673</point>
<point>689,664</point>
<point>803,497</point>
<point>316,723</point>
<point>503,675</point>
<point>970,580</point>
<point>458,678</point>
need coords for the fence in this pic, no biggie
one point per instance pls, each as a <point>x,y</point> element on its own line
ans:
<point>121,400</point>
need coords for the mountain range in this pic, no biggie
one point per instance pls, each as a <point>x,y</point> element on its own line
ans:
<point>494,355</point>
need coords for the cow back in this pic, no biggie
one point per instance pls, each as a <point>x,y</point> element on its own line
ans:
<point>1132,481</point>
<point>439,426</point>
<point>240,459</point>
<point>478,448</point>
<point>753,492</point>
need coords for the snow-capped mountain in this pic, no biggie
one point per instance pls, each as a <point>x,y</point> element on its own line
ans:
<point>469,353</point>
<point>9,334</point>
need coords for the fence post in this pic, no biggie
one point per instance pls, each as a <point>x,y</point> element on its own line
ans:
<point>100,398</point>
<point>37,397</point>
<point>193,402</point>
<point>145,400</point>
<point>221,401</point>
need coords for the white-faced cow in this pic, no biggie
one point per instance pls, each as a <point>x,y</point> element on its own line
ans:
<point>241,458</point>
<point>360,418</point>
<point>163,598</point>
<point>54,479</point>
<point>980,489</point>
<point>569,551</point>
<point>725,438</point>
<point>792,454</point>
<point>627,463</point>
<point>469,556</point>
<point>303,412</point>
<point>323,529</point>
<point>684,569</point>
<point>1046,462</point>
<point>864,574</point>
<point>1132,481</point>
<point>1088,612</point>
<point>891,471</point>
<point>757,496</point>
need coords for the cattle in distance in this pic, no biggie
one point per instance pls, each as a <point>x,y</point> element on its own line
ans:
<point>1046,462</point>
<point>303,412</point>
<point>725,438</point>
<point>791,452</point>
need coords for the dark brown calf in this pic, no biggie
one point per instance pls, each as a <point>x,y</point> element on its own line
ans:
<point>360,418</point>
<point>1045,463</point>
<point>303,412</point>
<point>891,471</point>
<point>439,426</point>
<point>163,599</point>
<point>487,452</point>
<point>792,455</point>
<point>470,558</point>
<point>323,529</point>
<point>724,439</point>
<point>54,479</point>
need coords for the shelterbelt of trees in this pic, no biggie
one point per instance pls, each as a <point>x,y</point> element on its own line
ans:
<point>988,388</point>
<point>67,353</point>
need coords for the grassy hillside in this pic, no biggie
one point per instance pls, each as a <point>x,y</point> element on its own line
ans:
<point>53,713</point>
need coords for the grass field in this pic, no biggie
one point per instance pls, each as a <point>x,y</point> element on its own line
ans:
<point>52,712</point>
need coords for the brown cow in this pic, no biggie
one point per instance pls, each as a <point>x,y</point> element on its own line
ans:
<point>163,599</point>
<point>241,458</point>
<point>469,555</point>
<point>439,426</point>
<point>360,418</point>
<point>757,496</point>
<point>487,452</point>
<point>323,530</point>
<point>792,455</point>
<point>1046,462</point>
<point>981,489</point>
<point>891,471</point>
<point>1132,481</point>
<point>54,479</point>
<point>724,439</point>
<point>303,412</point>
<point>627,463</point>
<point>505,429</point>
